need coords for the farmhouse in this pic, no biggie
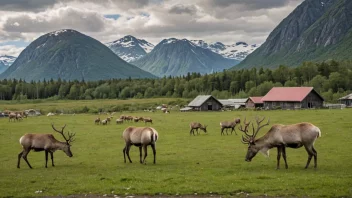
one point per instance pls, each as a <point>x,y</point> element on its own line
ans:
<point>292,98</point>
<point>347,100</point>
<point>254,102</point>
<point>205,103</point>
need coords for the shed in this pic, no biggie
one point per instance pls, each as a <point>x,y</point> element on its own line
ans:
<point>292,98</point>
<point>346,100</point>
<point>205,103</point>
<point>233,103</point>
<point>254,102</point>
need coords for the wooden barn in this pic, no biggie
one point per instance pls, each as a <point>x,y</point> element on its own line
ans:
<point>254,102</point>
<point>205,103</point>
<point>347,100</point>
<point>292,98</point>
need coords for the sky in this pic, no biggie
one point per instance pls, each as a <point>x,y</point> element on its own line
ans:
<point>227,21</point>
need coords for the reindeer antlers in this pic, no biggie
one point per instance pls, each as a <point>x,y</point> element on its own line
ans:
<point>70,135</point>
<point>248,138</point>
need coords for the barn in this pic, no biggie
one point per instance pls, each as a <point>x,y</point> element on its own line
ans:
<point>347,100</point>
<point>292,98</point>
<point>205,103</point>
<point>254,102</point>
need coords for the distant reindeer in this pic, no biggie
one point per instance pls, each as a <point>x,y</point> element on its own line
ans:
<point>108,119</point>
<point>12,116</point>
<point>196,126</point>
<point>97,120</point>
<point>282,136</point>
<point>104,122</point>
<point>148,120</point>
<point>229,125</point>
<point>18,117</point>
<point>119,121</point>
<point>45,142</point>
<point>140,137</point>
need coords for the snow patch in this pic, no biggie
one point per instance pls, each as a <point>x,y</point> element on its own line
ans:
<point>56,33</point>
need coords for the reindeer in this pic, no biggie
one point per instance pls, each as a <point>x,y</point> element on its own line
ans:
<point>147,120</point>
<point>12,116</point>
<point>119,121</point>
<point>229,125</point>
<point>104,122</point>
<point>18,117</point>
<point>45,142</point>
<point>97,120</point>
<point>196,126</point>
<point>282,136</point>
<point>140,137</point>
<point>108,120</point>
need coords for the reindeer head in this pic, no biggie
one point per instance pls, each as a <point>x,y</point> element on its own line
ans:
<point>204,128</point>
<point>250,139</point>
<point>69,140</point>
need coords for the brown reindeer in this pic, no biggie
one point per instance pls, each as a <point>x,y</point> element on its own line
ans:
<point>282,136</point>
<point>140,137</point>
<point>97,120</point>
<point>229,125</point>
<point>148,120</point>
<point>12,116</point>
<point>45,142</point>
<point>196,126</point>
<point>108,119</point>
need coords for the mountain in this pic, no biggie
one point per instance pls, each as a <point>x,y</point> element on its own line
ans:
<point>70,55</point>
<point>316,30</point>
<point>238,51</point>
<point>177,57</point>
<point>130,48</point>
<point>5,62</point>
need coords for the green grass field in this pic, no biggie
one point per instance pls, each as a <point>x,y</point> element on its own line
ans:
<point>203,164</point>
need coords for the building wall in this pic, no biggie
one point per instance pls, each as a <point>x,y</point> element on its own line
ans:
<point>214,105</point>
<point>311,101</point>
<point>250,104</point>
<point>347,102</point>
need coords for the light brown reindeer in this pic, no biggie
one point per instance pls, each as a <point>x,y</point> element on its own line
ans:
<point>229,125</point>
<point>140,137</point>
<point>119,121</point>
<point>45,142</point>
<point>196,126</point>
<point>97,120</point>
<point>282,136</point>
<point>12,116</point>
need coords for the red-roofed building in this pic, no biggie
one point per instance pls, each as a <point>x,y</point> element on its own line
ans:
<point>292,98</point>
<point>254,102</point>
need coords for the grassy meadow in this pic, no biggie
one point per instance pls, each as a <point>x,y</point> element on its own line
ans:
<point>204,164</point>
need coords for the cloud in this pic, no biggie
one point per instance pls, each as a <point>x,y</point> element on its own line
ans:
<point>27,5</point>
<point>183,9</point>
<point>10,50</point>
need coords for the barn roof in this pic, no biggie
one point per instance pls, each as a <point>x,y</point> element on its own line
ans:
<point>201,99</point>
<point>293,94</point>
<point>256,100</point>
<point>348,97</point>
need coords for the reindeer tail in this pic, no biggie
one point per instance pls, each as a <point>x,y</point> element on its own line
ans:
<point>154,136</point>
<point>319,132</point>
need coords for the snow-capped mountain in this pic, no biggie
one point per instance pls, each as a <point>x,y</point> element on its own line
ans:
<point>177,57</point>
<point>5,62</point>
<point>238,51</point>
<point>130,48</point>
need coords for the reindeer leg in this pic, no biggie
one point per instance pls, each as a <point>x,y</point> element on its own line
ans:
<point>278,157</point>
<point>284,156</point>
<point>226,131</point>
<point>124,153</point>
<point>234,128</point>
<point>128,152</point>
<point>154,152</point>
<point>315,158</point>
<point>19,159</point>
<point>145,153</point>
<point>140,155</point>
<point>231,130</point>
<point>190,132</point>
<point>46,159</point>
<point>310,155</point>
<point>52,158</point>
<point>24,155</point>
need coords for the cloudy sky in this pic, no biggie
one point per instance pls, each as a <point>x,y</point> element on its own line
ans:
<point>227,21</point>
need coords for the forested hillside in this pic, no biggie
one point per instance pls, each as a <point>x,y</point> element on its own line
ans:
<point>331,79</point>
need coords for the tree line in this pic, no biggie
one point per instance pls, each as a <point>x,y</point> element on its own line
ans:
<point>331,79</point>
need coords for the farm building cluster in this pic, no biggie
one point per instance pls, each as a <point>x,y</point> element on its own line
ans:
<point>276,98</point>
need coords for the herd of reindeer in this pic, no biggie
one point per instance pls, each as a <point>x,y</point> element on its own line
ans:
<point>279,136</point>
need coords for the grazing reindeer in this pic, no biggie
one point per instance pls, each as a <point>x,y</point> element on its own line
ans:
<point>196,126</point>
<point>147,120</point>
<point>18,117</point>
<point>97,121</point>
<point>104,122</point>
<point>229,125</point>
<point>45,142</point>
<point>108,120</point>
<point>282,136</point>
<point>12,116</point>
<point>119,121</point>
<point>140,137</point>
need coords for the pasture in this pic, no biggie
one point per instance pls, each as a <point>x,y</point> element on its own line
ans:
<point>204,164</point>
